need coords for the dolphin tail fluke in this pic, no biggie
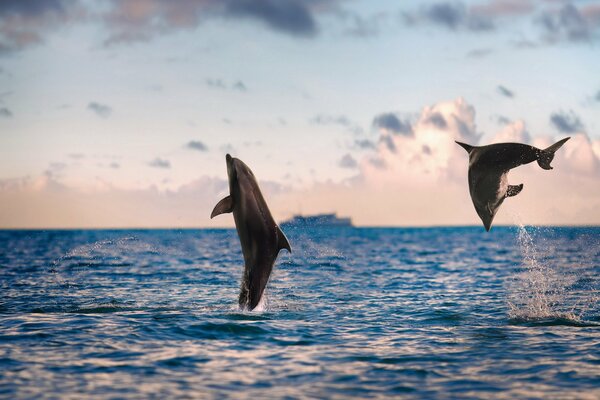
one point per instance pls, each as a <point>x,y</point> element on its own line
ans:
<point>465,146</point>
<point>282,242</point>
<point>222,207</point>
<point>547,155</point>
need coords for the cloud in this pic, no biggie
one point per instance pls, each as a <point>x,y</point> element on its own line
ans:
<point>160,163</point>
<point>391,123</point>
<point>5,112</point>
<point>341,120</point>
<point>501,120</point>
<point>196,145</point>
<point>438,120</point>
<point>221,84</point>
<point>358,26</point>
<point>347,161</point>
<point>24,23</point>
<point>559,21</point>
<point>566,122</point>
<point>451,15</point>
<point>430,150</point>
<point>101,110</point>
<point>135,20</point>
<point>293,17</point>
<point>216,83</point>
<point>239,85</point>
<point>364,144</point>
<point>227,148</point>
<point>567,23</point>
<point>513,132</point>
<point>479,53</point>
<point>505,92</point>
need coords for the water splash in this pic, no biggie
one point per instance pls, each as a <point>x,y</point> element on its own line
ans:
<point>543,290</point>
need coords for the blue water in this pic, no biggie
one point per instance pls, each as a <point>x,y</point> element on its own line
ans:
<point>352,313</point>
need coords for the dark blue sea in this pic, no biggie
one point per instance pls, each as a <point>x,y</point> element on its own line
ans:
<point>351,313</point>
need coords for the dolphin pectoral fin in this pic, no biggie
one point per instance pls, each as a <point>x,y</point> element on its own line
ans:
<point>282,242</point>
<point>222,207</point>
<point>514,190</point>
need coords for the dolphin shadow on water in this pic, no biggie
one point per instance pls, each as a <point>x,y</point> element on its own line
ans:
<point>488,173</point>
<point>260,237</point>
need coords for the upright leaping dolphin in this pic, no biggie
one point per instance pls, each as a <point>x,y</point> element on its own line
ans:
<point>488,170</point>
<point>260,237</point>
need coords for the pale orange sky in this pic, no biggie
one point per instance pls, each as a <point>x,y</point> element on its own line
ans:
<point>398,184</point>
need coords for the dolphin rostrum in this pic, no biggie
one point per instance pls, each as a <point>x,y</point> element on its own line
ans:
<point>260,237</point>
<point>488,170</point>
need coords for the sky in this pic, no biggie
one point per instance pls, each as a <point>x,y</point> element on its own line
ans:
<point>120,113</point>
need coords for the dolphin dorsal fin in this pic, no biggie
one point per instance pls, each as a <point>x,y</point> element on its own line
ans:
<point>222,207</point>
<point>282,242</point>
<point>514,190</point>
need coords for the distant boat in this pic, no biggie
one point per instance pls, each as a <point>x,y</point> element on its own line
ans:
<point>318,220</point>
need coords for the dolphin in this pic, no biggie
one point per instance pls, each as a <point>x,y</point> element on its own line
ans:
<point>488,173</point>
<point>260,237</point>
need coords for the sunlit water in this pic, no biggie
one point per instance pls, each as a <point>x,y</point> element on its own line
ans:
<point>417,313</point>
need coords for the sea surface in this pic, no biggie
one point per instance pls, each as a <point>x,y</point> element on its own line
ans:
<point>351,313</point>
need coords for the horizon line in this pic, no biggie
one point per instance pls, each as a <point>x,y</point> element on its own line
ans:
<point>189,228</point>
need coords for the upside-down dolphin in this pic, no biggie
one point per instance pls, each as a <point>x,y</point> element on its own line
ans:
<point>260,237</point>
<point>488,170</point>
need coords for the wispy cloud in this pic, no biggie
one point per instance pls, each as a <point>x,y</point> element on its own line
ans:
<point>217,83</point>
<point>196,145</point>
<point>451,15</point>
<point>340,120</point>
<point>566,122</point>
<point>24,23</point>
<point>356,25</point>
<point>101,110</point>
<point>239,85</point>
<point>570,23</point>
<point>392,123</point>
<point>5,112</point>
<point>505,91</point>
<point>479,53</point>
<point>347,161</point>
<point>438,120</point>
<point>160,163</point>
<point>364,144</point>
<point>134,21</point>
<point>551,21</point>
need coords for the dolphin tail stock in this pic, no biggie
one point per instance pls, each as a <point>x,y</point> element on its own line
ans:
<point>222,207</point>
<point>547,155</point>
<point>282,241</point>
<point>465,146</point>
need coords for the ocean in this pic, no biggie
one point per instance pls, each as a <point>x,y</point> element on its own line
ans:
<point>451,312</point>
